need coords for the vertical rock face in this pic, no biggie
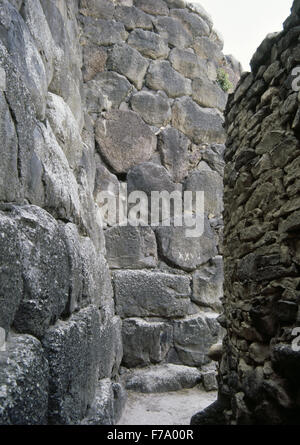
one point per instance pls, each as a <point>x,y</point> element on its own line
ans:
<point>94,93</point>
<point>259,368</point>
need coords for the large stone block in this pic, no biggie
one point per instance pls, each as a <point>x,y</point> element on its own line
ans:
<point>101,9</point>
<point>10,270</point>
<point>128,61</point>
<point>205,48</point>
<point>153,108</point>
<point>149,44</point>
<point>202,125</point>
<point>123,153</point>
<point>103,32</point>
<point>23,382</point>
<point>153,7</point>
<point>162,378</point>
<point>145,342</point>
<point>195,24</point>
<point>193,337</point>
<point>72,351</point>
<point>208,284</point>
<point>9,181</point>
<point>65,129</point>
<point>133,17</point>
<point>146,294</point>
<point>173,146</point>
<point>208,94</point>
<point>186,252</point>
<point>110,343</point>
<point>211,183</point>
<point>173,32</point>
<point>187,63</point>
<point>108,404</point>
<point>45,270</point>
<point>161,76</point>
<point>21,47</point>
<point>94,61</point>
<point>131,247</point>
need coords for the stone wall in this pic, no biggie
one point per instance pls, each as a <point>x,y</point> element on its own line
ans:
<point>95,94</point>
<point>259,369</point>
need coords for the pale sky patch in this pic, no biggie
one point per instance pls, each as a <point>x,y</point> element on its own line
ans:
<point>244,24</point>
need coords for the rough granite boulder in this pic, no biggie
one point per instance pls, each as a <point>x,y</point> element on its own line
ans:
<point>153,108</point>
<point>174,149</point>
<point>151,294</point>
<point>173,32</point>
<point>123,153</point>
<point>149,44</point>
<point>153,7</point>
<point>132,17</point>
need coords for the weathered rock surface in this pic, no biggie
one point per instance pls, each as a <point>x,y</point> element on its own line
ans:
<point>161,76</point>
<point>162,378</point>
<point>151,294</point>
<point>23,382</point>
<point>131,247</point>
<point>144,342</point>
<point>153,108</point>
<point>208,284</point>
<point>120,153</point>
<point>149,44</point>
<point>173,146</point>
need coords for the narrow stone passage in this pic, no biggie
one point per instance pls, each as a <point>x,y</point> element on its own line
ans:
<point>171,408</point>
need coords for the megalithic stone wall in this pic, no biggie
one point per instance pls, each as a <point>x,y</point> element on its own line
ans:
<point>259,370</point>
<point>94,94</point>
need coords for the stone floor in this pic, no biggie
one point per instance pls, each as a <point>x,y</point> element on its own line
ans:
<point>171,408</point>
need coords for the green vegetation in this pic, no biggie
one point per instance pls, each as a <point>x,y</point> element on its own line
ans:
<point>223,80</point>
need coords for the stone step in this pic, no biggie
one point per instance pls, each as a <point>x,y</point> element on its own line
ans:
<point>161,378</point>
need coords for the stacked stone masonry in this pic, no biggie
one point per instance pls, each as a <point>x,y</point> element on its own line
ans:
<point>259,370</point>
<point>96,94</point>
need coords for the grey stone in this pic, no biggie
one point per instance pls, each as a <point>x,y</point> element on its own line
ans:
<point>153,108</point>
<point>149,44</point>
<point>45,270</point>
<point>131,247</point>
<point>186,252</point>
<point>173,32</point>
<point>162,378</point>
<point>113,87</point>
<point>122,154</point>
<point>103,32</point>
<point>209,380</point>
<point>94,61</point>
<point>208,284</point>
<point>205,48</point>
<point>208,94</point>
<point>192,22</point>
<point>175,3</point>
<point>11,270</point>
<point>35,19</point>
<point>193,336</point>
<point>187,63</point>
<point>97,101</point>
<point>202,125</point>
<point>133,18</point>
<point>9,181</point>
<point>21,47</point>
<point>24,382</point>
<point>108,404</point>
<point>173,146</point>
<point>72,351</point>
<point>145,342</point>
<point>129,62</point>
<point>143,294</point>
<point>154,7</point>
<point>110,344</point>
<point>65,129</point>
<point>102,9</point>
<point>198,9</point>
<point>211,183</point>
<point>161,76</point>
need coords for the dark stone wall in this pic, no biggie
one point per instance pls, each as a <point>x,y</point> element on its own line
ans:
<point>259,369</point>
